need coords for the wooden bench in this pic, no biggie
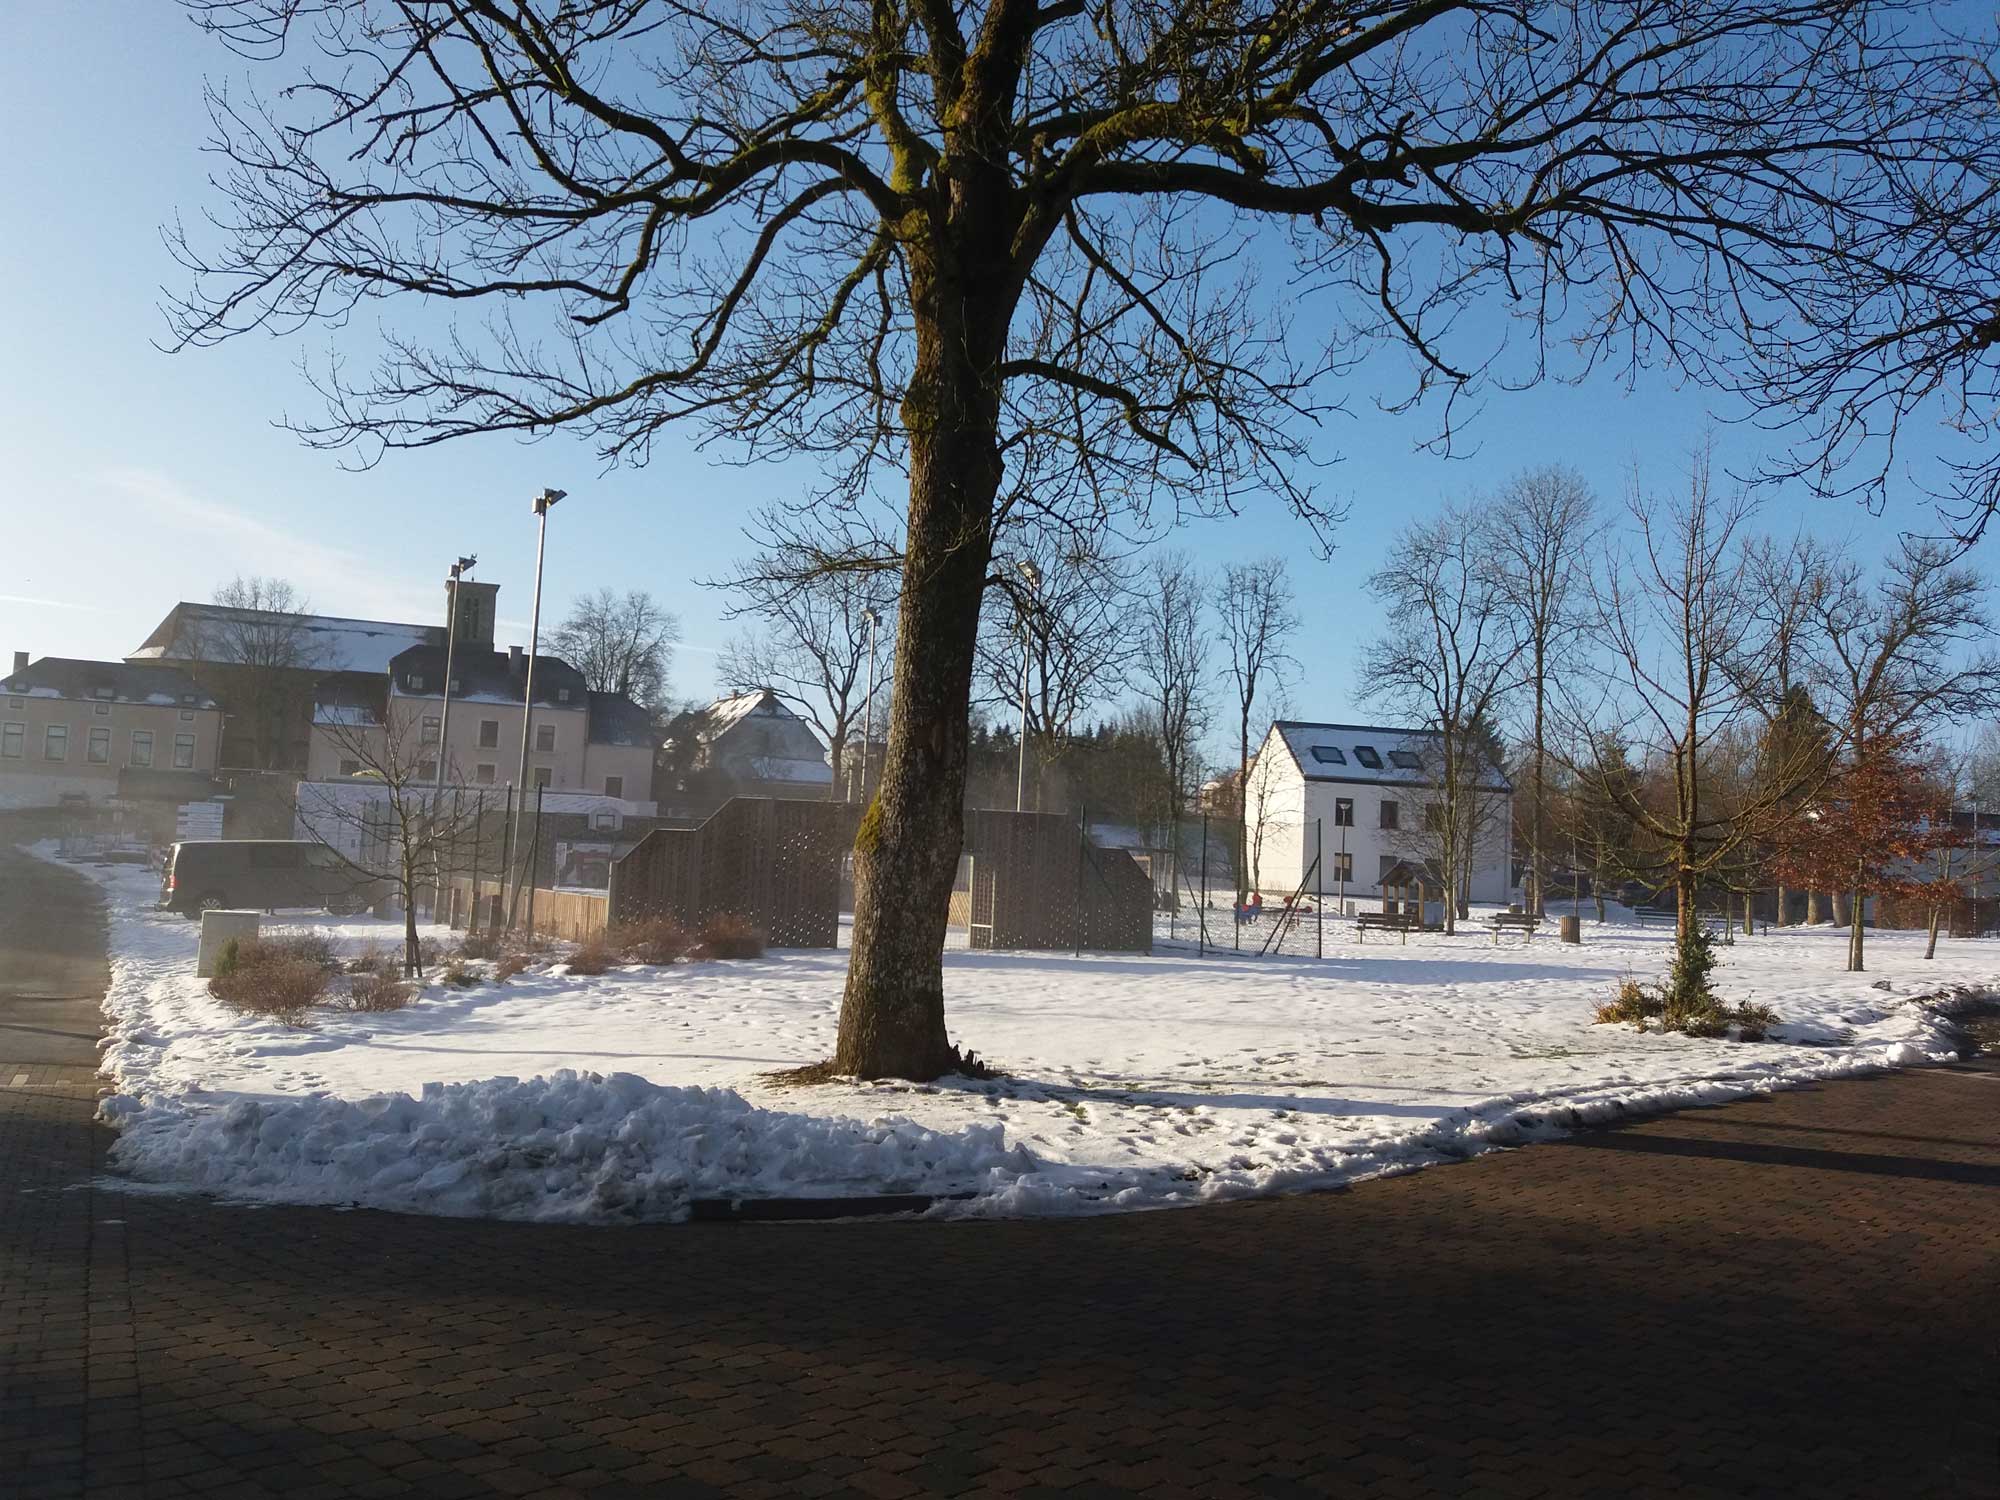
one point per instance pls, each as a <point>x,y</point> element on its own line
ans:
<point>1523,921</point>
<point>1386,922</point>
<point>1645,914</point>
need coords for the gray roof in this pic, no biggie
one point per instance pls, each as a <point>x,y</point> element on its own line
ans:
<point>109,682</point>
<point>488,676</point>
<point>616,720</point>
<point>326,643</point>
<point>1341,752</point>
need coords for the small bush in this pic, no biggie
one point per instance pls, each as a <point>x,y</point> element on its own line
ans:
<point>458,976</point>
<point>375,992</point>
<point>314,948</point>
<point>1687,1002</point>
<point>509,965</point>
<point>230,959</point>
<point>1634,1005</point>
<point>372,960</point>
<point>657,940</point>
<point>593,957</point>
<point>430,951</point>
<point>479,945</point>
<point>726,935</point>
<point>280,986</point>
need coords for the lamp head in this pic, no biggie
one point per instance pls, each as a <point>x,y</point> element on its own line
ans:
<point>547,498</point>
<point>870,618</point>
<point>1031,572</point>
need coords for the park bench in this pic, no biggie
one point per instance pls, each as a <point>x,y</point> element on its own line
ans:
<point>1645,914</point>
<point>1523,921</point>
<point>1386,921</point>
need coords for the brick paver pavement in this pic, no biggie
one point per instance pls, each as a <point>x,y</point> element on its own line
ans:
<point>1794,1296</point>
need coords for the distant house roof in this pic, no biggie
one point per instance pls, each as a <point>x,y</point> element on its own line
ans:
<point>725,714</point>
<point>766,758</point>
<point>328,643</point>
<point>616,720</point>
<point>109,682</point>
<point>1370,754</point>
<point>486,676</point>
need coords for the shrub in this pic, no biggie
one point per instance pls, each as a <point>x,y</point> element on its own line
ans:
<point>593,957</point>
<point>479,945</point>
<point>1634,1005</point>
<point>377,992</point>
<point>509,965</point>
<point>726,935</point>
<point>230,959</point>
<point>458,976</point>
<point>372,960</point>
<point>307,947</point>
<point>280,986</point>
<point>1687,1002</point>
<point>657,940</point>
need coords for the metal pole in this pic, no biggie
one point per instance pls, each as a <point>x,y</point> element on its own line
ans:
<point>478,828</point>
<point>534,853</point>
<point>1082,837</point>
<point>1319,888</point>
<point>542,503</point>
<point>1201,912</point>
<point>1034,576</point>
<point>868,713</point>
<point>1343,866</point>
<point>450,655</point>
<point>506,852</point>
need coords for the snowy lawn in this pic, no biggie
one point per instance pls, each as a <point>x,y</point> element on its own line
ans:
<point>1131,1081</point>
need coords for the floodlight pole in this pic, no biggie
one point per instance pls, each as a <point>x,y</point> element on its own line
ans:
<point>542,503</point>
<point>868,713</point>
<point>1034,576</point>
<point>463,565</point>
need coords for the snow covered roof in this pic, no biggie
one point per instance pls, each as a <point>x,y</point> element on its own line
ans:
<point>327,643</point>
<point>1369,754</point>
<point>109,682</point>
<point>725,714</point>
<point>487,677</point>
<point>781,768</point>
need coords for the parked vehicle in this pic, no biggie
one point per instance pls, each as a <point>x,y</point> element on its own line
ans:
<point>259,875</point>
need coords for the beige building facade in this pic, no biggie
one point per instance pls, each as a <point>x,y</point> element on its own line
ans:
<point>70,728</point>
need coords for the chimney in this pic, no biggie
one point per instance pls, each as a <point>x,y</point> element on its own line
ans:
<point>20,662</point>
<point>516,663</point>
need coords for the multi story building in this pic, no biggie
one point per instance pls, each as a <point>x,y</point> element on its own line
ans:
<point>95,729</point>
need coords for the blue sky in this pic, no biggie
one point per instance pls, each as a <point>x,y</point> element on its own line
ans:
<point>134,478</point>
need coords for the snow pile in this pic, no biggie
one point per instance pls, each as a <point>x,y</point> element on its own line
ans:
<point>1130,1081</point>
<point>575,1146</point>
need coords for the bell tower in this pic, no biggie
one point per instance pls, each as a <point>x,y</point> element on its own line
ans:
<point>476,604</point>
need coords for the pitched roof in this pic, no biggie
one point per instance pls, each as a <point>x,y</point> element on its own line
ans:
<point>1343,752</point>
<point>109,682</point>
<point>327,643</point>
<point>487,676</point>
<point>616,720</point>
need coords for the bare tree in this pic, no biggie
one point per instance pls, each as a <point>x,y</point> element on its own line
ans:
<point>1675,612</point>
<point>1447,653</point>
<point>1541,532</point>
<point>997,250</point>
<point>810,646</point>
<point>1254,606</point>
<point>1898,657</point>
<point>1170,676</point>
<point>257,658</point>
<point>1065,603</point>
<point>622,643</point>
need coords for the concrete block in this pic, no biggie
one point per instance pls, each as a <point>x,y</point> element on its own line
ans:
<point>217,928</point>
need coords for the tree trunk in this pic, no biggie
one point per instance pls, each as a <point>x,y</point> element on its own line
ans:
<point>1840,908</point>
<point>1749,913</point>
<point>1534,904</point>
<point>1781,907</point>
<point>841,788</point>
<point>907,851</point>
<point>1685,920</point>
<point>1930,945</point>
<point>1812,906</point>
<point>1855,955</point>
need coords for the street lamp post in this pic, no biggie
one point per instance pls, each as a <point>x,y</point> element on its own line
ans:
<point>1034,576</point>
<point>463,565</point>
<point>868,711</point>
<point>542,503</point>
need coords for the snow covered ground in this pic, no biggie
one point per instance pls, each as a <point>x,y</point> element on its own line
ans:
<point>1132,1082</point>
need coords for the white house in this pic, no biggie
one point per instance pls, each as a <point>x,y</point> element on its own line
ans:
<point>1360,793</point>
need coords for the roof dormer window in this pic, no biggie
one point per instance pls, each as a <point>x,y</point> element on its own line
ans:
<point>1405,759</point>
<point>1367,756</point>
<point>414,682</point>
<point>562,695</point>
<point>104,691</point>
<point>1329,755</point>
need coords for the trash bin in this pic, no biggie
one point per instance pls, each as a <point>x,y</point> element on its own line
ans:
<point>1572,929</point>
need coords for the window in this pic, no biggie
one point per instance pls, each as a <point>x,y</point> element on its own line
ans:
<point>11,738</point>
<point>1404,759</point>
<point>544,776</point>
<point>97,749</point>
<point>350,768</point>
<point>483,775</point>
<point>427,771</point>
<point>187,697</point>
<point>1329,755</point>
<point>1343,812</point>
<point>102,710</point>
<point>562,695</point>
<point>13,702</point>
<point>545,737</point>
<point>433,729</point>
<point>414,682</point>
<point>142,747</point>
<point>101,692</point>
<point>1367,756</point>
<point>489,734</point>
<point>55,742</point>
<point>276,856</point>
<point>184,752</point>
<point>604,822</point>
<point>1343,865</point>
<point>1433,817</point>
<point>457,685</point>
<point>1392,814</point>
<point>614,786</point>
<point>187,716</point>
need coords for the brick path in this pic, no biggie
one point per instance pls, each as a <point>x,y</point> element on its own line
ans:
<point>1790,1296</point>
